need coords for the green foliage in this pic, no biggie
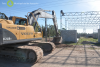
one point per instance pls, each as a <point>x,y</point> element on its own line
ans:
<point>83,40</point>
<point>37,27</point>
<point>88,39</point>
<point>63,29</point>
<point>50,30</point>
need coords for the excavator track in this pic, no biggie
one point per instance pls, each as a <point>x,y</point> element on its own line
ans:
<point>46,46</point>
<point>22,53</point>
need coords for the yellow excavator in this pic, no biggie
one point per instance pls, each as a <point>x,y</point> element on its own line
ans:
<point>17,36</point>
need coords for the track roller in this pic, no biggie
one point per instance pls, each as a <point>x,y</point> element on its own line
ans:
<point>46,46</point>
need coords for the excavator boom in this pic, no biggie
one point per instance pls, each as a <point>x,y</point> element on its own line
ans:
<point>39,13</point>
<point>43,14</point>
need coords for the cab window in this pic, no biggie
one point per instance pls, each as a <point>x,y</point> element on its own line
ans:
<point>20,21</point>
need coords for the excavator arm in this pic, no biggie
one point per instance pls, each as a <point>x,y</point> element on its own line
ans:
<point>34,15</point>
<point>39,13</point>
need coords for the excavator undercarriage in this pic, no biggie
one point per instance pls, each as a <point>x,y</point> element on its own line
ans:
<point>30,52</point>
<point>22,53</point>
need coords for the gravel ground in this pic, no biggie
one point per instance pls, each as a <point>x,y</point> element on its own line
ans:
<point>76,56</point>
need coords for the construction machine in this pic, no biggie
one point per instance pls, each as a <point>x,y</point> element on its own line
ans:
<point>17,36</point>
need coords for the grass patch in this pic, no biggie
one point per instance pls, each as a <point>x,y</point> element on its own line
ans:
<point>88,39</point>
<point>83,40</point>
<point>69,43</point>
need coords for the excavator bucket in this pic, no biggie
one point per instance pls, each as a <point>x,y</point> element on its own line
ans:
<point>57,40</point>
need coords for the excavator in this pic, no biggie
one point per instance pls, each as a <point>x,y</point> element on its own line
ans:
<point>18,36</point>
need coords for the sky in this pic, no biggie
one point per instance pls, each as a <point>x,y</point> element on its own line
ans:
<point>21,8</point>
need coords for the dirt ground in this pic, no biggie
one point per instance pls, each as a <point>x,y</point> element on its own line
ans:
<point>76,56</point>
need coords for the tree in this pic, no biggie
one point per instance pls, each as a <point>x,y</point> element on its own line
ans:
<point>50,29</point>
<point>63,29</point>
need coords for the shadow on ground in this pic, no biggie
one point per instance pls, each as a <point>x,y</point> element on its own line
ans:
<point>75,58</point>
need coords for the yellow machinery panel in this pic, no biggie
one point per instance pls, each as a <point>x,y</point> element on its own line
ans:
<point>30,32</point>
<point>12,28</point>
<point>38,34</point>
<point>22,31</point>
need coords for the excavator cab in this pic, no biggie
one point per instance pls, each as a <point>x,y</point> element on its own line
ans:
<point>18,20</point>
<point>23,21</point>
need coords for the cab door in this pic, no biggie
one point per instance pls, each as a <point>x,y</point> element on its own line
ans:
<point>21,27</point>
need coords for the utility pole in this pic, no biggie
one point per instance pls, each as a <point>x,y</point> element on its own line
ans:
<point>60,21</point>
<point>49,32</point>
<point>45,29</point>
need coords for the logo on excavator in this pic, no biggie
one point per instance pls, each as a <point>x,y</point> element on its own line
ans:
<point>10,2</point>
<point>20,28</point>
<point>26,33</point>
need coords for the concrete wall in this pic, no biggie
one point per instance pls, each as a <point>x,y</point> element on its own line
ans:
<point>69,35</point>
<point>99,35</point>
<point>89,35</point>
<point>95,35</point>
<point>78,35</point>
